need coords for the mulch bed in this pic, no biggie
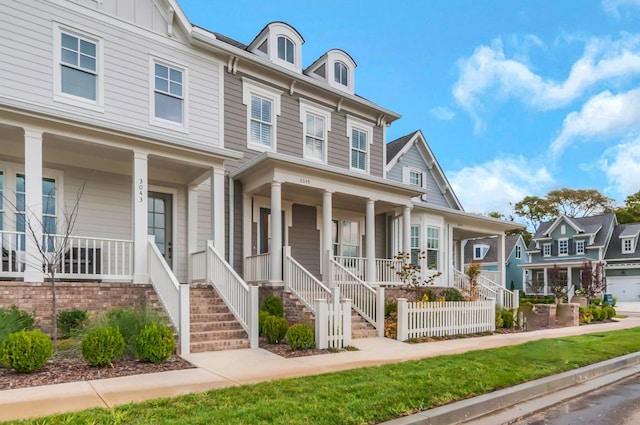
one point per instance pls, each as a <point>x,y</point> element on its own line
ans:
<point>283,349</point>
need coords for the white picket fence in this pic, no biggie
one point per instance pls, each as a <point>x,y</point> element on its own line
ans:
<point>333,321</point>
<point>418,319</point>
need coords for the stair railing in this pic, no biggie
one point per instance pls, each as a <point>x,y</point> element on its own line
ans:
<point>300,282</point>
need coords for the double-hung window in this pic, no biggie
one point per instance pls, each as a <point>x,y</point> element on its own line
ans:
<point>546,250</point>
<point>563,247</point>
<point>341,73</point>
<point>415,178</point>
<point>286,49</point>
<point>316,122</point>
<point>627,246</point>
<point>168,93</point>
<point>579,247</point>
<point>49,220</point>
<point>415,244</point>
<point>433,247</point>
<point>345,238</point>
<point>359,134</point>
<point>263,107</point>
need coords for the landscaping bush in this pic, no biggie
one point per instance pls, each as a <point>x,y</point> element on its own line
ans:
<point>507,319</point>
<point>129,323</point>
<point>26,351</point>
<point>390,307</point>
<point>262,316</point>
<point>596,312</point>
<point>13,320</point>
<point>451,294</point>
<point>609,311</point>
<point>275,329</point>
<point>585,315</point>
<point>72,321</point>
<point>273,306</point>
<point>155,343</point>
<point>103,345</point>
<point>300,337</point>
<point>596,301</point>
<point>499,322</point>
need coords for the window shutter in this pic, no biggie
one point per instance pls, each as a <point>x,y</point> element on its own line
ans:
<point>554,248</point>
<point>572,247</point>
<point>405,175</point>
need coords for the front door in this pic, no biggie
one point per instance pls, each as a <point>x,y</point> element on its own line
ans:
<point>160,218</point>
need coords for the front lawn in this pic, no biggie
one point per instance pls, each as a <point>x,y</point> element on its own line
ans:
<point>369,395</point>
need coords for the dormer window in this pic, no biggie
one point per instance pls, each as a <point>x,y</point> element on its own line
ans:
<point>479,251</point>
<point>285,49</point>
<point>627,246</point>
<point>341,73</point>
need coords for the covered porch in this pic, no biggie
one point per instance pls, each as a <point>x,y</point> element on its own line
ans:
<point>538,279</point>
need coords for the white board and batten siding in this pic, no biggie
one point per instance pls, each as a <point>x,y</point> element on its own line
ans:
<point>128,40</point>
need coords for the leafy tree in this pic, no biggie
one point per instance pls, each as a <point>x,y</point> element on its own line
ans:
<point>630,213</point>
<point>592,279</point>
<point>535,210</point>
<point>557,282</point>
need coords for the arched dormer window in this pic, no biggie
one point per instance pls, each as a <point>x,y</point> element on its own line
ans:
<point>285,49</point>
<point>341,73</point>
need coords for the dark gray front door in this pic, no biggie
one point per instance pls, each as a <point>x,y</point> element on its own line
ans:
<point>160,219</point>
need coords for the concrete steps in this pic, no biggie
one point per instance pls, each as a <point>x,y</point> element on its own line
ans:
<point>360,328</point>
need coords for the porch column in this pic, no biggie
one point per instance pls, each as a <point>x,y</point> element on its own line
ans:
<point>501,261</point>
<point>370,240</point>
<point>569,283</point>
<point>33,205</point>
<point>276,231</point>
<point>406,230</point>
<point>546,278</point>
<point>192,225</point>
<point>246,227</point>
<point>217,210</point>
<point>327,237</point>
<point>140,223</point>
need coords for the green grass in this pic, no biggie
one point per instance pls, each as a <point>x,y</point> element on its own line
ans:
<point>369,395</point>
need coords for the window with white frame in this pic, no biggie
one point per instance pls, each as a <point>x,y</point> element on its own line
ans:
<point>263,106</point>
<point>546,250</point>
<point>168,92</point>
<point>518,252</point>
<point>286,49</point>
<point>341,73</point>
<point>627,245</point>
<point>346,237</point>
<point>479,251</point>
<point>77,68</point>
<point>563,247</point>
<point>415,178</point>
<point>415,244</point>
<point>316,123</point>
<point>433,248</point>
<point>49,218</point>
<point>360,135</point>
<point>579,247</point>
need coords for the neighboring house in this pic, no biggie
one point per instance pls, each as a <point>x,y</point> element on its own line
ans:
<point>566,242</point>
<point>623,263</point>
<point>439,225</point>
<point>484,252</point>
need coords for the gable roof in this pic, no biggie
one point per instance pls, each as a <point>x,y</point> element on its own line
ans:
<point>398,147</point>
<point>614,250</point>
<point>600,226</point>
<point>492,254</point>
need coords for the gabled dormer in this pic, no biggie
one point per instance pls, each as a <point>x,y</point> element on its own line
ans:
<point>480,251</point>
<point>335,68</point>
<point>281,44</point>
<point>629,239</point>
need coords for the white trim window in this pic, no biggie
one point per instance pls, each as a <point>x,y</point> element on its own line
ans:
<point>49,206</point>
<point>415,244</point>
<point>579,247</point>
<point>546,249</point>
<point>563,247</point>
<point>433,248</point>
<point>263,105</point>
<point>316,123</point>
<point>168,96</point>
<point>341,73</point>
<point>286,49</point>
<point>479,251</point>
<point>78,68</point>
<point>360,137</point>
<point>346,238</point>
<point>627,246</point>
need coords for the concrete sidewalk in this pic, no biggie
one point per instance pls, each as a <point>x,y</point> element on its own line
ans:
<point>228,368</point>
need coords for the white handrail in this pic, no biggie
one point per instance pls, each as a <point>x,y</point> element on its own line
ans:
<point>173,296</point>
<point>303,284</point>
<point>387,271</point>
<point>199,266</point>
<point>363,296</point>
<point>462,283</point>
<point>257,268</point>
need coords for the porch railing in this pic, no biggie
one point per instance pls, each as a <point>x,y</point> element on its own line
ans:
<point>87,258</point>
<point>368,302</point>
<point>257,268</point>
<point>173,296</point>
<point>241,298</point>
<point>303,284</point>
<point>507,299</point>
<point>492,275</point>
<point>486,289</point>
<point>387,271</point>
<point>356,265</point>
<point>12,251</point>
<point>199,266</point>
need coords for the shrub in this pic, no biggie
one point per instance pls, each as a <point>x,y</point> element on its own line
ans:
<point>609,311</point>
<point>507,319</point>
<point>26,351</point>
<point>155,343</point>
<point>273,306</point>
<point>499,322</point>
<point>596,301</point>
<point>13,320</point>
<point>129,323</point>
<point>451,294</point>
<point>262,316</point>
<point>71,321</point>
<point>300,337</point>
<point>596,312</point>
<point>275,329</point>
<point>102,345</point>
<point>585,315</point>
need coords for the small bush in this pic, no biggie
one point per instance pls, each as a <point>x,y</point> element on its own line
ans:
<point>507,319</point>
<point>499,322</point>
<point>390,307</point>
<point>275,329</point>
<point>273,306</point>
<point>300,337</point>
<point>103,345</point>
<point>155,343</point>
<point>451,294</point>
<point>129,323</point>
<point>262,316</point>
<point>596,312</point>
<point>13,320</point>
<point>609,311</point>
<point>596,301</point>
<point>585,315</point>
<point>26,351</point>
<point>72,321</point>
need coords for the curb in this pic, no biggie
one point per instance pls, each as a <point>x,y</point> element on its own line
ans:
<point>477,407</point>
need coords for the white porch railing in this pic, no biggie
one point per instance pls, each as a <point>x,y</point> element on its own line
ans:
<point>12,250</point>
<point>387,271</point>
<point>368,302</point>
<point>333,321</point>
<point>492,275</point>
<point>356,265</point>
<point>199,266</point>
<point>174,297</point>
<point>241,298</point>
<point>303,284</point>
<point>486,289</point>
<point>88,258</point>
<point>257,268</point>
<point>506,299</point>
<point>420,319</point>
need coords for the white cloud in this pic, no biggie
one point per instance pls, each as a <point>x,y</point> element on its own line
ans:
<point>496,184</point>
<point>621,164</point>
<point>603,116</point>
<point>488,72</point>
<point>613,7</point>
<point>442,113</point>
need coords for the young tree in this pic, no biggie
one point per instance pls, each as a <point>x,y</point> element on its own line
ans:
<point>591,279</point>
<point>536,286</point>
<point>557,283</point>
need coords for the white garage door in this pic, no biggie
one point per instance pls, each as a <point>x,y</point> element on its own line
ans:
<point>624,288</point>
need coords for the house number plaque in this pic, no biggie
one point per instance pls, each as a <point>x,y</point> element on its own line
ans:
<point>140,191</point>
<point>305,180</point>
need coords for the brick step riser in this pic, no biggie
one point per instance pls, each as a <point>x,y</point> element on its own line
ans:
<point>215,326</point>
<point>208,309</point>
<point>218,336</point>
<point>203,347</point>
<point>212,318</point>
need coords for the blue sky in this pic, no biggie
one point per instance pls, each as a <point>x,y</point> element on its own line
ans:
<point>515,98</point>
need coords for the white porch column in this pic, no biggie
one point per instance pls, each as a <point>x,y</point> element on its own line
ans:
<point>276,231</point>
<point>501,261</point>
<point>327,237</point>
<point>246,227</point>
<point>546,280</point>
<point>370,240</point>
<point>33,205</point>
<point>217,210</point>
<point>406,230</point>
<point>192,225</point>
<point>140,193</point>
